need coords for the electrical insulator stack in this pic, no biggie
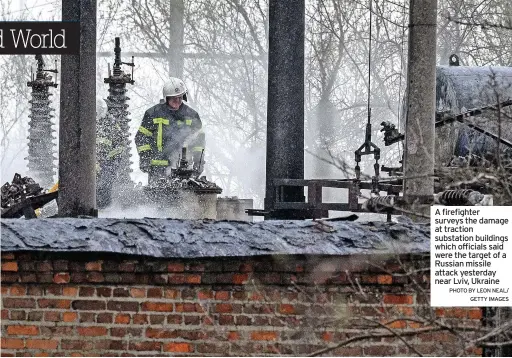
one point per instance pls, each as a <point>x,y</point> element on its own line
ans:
<point>41,147</point>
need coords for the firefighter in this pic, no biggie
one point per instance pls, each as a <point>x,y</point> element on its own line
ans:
<point>165,129</point>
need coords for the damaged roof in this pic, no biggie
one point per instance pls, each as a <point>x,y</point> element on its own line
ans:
<point>172,238</point>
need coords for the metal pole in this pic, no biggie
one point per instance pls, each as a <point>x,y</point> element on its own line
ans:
<point>421,94</point>
<point>285,108</point>
<point>176,24</point>
<point>77,137</point>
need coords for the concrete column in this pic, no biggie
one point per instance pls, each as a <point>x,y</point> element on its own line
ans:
<point>421,95</point>
<point>285,108</point>
<point>176,33</point>
<point>77,137</point>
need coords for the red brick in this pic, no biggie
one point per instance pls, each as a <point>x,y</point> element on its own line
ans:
<point>10,266</point>
<point>92,331</point>
<point>379,351</point>
<point>175,267</point>
<point>70,291</point>
<point>10,302</point>
<point>193,279</point>
<point>10,277</point>
<point>286,309</point>
<point>414,325</point>
<point>385,279</point>
<point>122,319</point>
<point>23,330</point>
<point>399,324</point>
<point>263,336</point>
<point>155,292</point>
<point>475,313</point>
<point>222,295</point>
<point>44,266</point>
<point>145,346</point>
<point>52,316</point>
<point>5,314</point>
<point>103,292</point>
<point>174,319</point>
<point>398,299</point>
<point>177,279</point>
<point>256,296</point>
<point>18,290</point>
<point>42,343</point>
<point>69,316</point>
<point>196,267</point>
<point>123,306</point>
<point>178,347</point>
<point>223,308</point>
<point>368,279</point>
<point>240,278</point>
<point>127,266</point>
<point>204,295</point>
<point>93,266</point>
<point>4,290</point>
<point>440,312</point>
<point>160,333</point>
<point>121,292</point>
<point>95,277</point>
<point>140,319</point>
<point>157,306</point>
<point>61,277</point>
<point>7,256</point>
<point>406,311</point>
<point>185,307</point>
<point>327,336</point>
<point>85,291</point>
<point>47,303</point>
<point>12,343</point>
<point>226,320</point>
<point>89,305</point>
<point>172,294</point>
<point>348,352</point>
<point>455,312</point>
<point>104,317</point>
<point>137,292</point>
<point>233,336</point>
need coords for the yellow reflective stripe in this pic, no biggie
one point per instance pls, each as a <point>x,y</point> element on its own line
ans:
<point>55,187</point>
<point>159,136</point>
<point>188,122</point>
<point>159,162</point>
<point>179,123</point>
<point>197,149</point>
<point>103,140</point>
<point>145,131</point>
<point>115,152</point>
<point>143,148</point>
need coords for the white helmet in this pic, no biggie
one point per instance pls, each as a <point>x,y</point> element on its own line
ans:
<point>175,87</point>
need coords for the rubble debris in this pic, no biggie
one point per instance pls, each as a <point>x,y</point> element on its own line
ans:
<point>200,184</point>
<point>22,196</point>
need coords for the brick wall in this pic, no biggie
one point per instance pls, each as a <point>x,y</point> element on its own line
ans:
<point>96,304</point>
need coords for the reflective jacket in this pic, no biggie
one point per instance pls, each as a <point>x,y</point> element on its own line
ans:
<point>162,134</point>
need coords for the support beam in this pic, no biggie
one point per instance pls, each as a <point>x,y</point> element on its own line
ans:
<point>421,94</point>
<point>77,137</point>
<point>285,108</point>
